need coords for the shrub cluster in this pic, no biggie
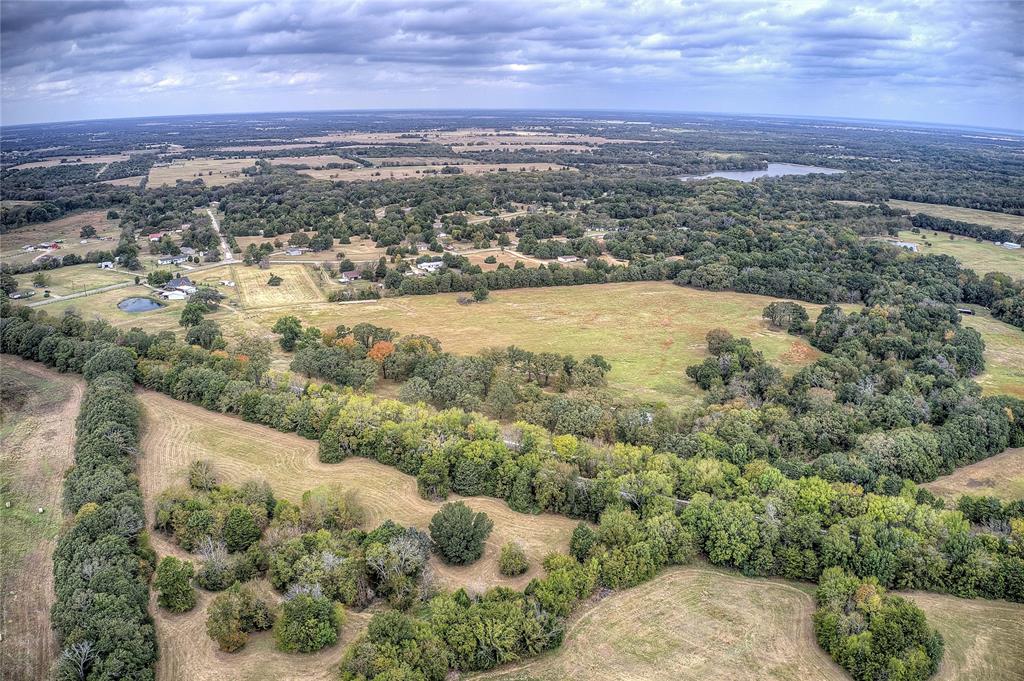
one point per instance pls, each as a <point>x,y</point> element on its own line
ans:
<point>872,634</point>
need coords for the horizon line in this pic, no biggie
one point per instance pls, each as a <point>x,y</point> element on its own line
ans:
<point>884,121</point>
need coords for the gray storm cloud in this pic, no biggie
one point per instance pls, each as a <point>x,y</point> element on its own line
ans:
<point>929,60</point>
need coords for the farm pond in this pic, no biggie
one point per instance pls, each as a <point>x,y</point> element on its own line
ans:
<point>138,305</point>
<point>773,170</point>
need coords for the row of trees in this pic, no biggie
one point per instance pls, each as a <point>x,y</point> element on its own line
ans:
<point>102,562</point>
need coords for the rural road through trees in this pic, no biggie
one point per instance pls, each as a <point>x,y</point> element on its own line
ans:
<point>225,248</point>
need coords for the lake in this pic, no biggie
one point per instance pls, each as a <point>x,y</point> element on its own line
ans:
<point>773,170</point>
<point>138,305</point>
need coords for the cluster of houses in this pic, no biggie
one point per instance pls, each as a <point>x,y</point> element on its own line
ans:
<point>178,288</point>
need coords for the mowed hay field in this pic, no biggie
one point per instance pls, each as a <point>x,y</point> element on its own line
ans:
<point>254,291</point>
<point>36,448</point>
<point>75,279</point>
<point>649,331</point>
<point>689,623</point>
<point>177,433</point>
<point>1004,353</point>
<point>981,257</point>
<point>984,639</point>
<point>977,217</point>
<point>213,172</point>
<point>1000,476</point>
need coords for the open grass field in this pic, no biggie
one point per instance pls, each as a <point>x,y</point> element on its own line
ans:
<point>76,278</point>
<point>177,433</point>
<point>386,161</point>
<point>73,161</point>
<point>254,292</point>
<point>977,217</point>
<point>700,622</point>
<point>649,331</point>
<point>984,639</point>
<point>67,228</point>
<point>1004,353</point>
<point>312,161</point>
<point>133,181</point>
<point>689,623</point>
<point>980,257</point>
<point>1000,476</point>
<point>406,172</point>
<point>213,172</point>
<point>36,447</point>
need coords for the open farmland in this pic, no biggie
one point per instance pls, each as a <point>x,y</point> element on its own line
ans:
<point>1004,354</point>
<point>297,286</point>
<point>1000,476</point>
<point>75,279</point>
<point>72,161</point>
<point>700,622</point>
<point>67,229</point>
<point>177,433</point>
<point>981,257</point>
<point>405,172</point>
<point>36,448</point>
<point>213,172</point>
<point>984,640</point>
<point>650,331</point>
<point>311,161</point>
<point>689,623</point>
<point>977,217</point>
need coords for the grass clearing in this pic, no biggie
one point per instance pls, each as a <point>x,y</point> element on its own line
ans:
<point>649,331</point>
<point>36,448</point>
<point>984,639</point>
<point>310,161</point>
<point>77,278</point>
<point>981,257</point>
<point>214,172</point>
<point>977,217</point>
<point>692,622</point>
<point>177,433</point>
<point>1004,353</point>
<point>104,305</point>
<point>1000,476</point>
<point>72,161</point>
<point>254,291</point>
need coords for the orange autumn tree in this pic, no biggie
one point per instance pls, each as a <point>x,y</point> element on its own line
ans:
<point>380,351</point>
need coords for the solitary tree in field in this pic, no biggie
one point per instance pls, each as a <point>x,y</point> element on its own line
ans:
<point>459,534</point>
<point>87,231</point>
<point>40,280</point>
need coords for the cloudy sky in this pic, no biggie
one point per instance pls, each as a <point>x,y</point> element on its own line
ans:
<point>955,61</point>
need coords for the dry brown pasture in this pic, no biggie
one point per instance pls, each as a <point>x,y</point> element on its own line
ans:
<point>389,161</point>
<point>270,147</point>
<point>133,181</point>
<point>405,172</point>
<point>1001,476</point>
<point>177,433</point>
<point>692,622</point>
<point>66,228</point>
<point>224,171</point>
<point>983,639</point>
<point>72,161</point>
<point>318,161</point>
<point>254,292</point>
<point>36,448</point>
